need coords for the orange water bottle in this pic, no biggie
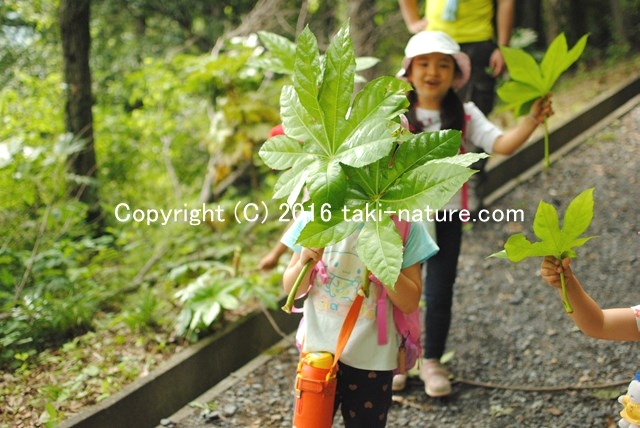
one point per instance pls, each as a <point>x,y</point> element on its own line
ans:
<point>315,391</point>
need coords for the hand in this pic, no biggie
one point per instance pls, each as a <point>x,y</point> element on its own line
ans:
<point>551,268</point>
<point>313,254</point>
<point>417,26</point>
<point>496,63</point>
<point>269,261</point>
<point>541,109</point>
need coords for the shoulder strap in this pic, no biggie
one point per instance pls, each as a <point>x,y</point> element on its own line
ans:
<point>347,328</point>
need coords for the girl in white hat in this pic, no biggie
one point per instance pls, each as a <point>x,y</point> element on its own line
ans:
<point>435,67</point>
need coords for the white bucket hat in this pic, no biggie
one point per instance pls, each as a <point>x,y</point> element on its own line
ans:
<point>426,42</point>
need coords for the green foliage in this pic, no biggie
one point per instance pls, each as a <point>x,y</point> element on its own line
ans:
<point>349,158</point>
<point>281,52</point>
<point>530,80</point>
<point>216,287</point>
<point>556,241</point>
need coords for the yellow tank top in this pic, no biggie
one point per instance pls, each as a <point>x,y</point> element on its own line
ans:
<point>474,20</point>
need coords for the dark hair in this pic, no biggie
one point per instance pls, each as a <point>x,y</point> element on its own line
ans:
<point>452,115</point>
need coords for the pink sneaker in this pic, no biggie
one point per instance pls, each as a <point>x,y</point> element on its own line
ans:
<point>435,377</point>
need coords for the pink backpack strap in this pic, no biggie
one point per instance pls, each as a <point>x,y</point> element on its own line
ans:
<point>381,314</point>
<point>318,270</point>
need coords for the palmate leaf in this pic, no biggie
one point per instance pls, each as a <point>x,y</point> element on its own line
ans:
<point>533,80</point>
<point>314,110</point>
<point>530,81</point>
<point>403,182</point>
<point>349,158</point>
<point>337,86</point>
<point>380,245</point>
<point>554,241</point>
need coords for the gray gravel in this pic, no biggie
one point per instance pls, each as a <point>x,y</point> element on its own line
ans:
<point>516,357</point>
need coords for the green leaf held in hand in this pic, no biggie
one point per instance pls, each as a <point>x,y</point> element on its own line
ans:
<point>530,80</point>
<point>554,241</point>
<point>353,156</point>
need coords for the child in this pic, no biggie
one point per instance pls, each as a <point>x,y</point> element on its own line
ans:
<point>365,368</point>
<point>611,324</point>
<point>435,67</point>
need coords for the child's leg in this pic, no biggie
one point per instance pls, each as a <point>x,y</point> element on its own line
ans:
<point>364,396</point>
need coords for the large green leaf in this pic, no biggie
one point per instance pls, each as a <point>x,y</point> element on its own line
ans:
<point>318,234</point>
<point>381,246</point>
<point>282,152</point>
<point>351,160</point>
<point>558,59</point>
<point>522,66</point>
<point>337,86</point>
<point>430,186</point>
<point>306,77</point>
<point>557,242</point>
<point>530,80</point>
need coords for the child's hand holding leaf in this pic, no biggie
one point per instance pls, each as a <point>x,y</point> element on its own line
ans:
<point>554,241</point>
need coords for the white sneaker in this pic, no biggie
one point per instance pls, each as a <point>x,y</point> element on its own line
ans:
<point>399,382</point>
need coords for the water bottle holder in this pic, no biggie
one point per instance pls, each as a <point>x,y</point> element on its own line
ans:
<point>313,385</point>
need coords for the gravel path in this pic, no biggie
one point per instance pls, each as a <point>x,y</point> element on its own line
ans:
<point>517,359</point>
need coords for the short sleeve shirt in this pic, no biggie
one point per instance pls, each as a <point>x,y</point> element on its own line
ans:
<point>473,22</point>
<point>329,300</point>
<point>636,311</point>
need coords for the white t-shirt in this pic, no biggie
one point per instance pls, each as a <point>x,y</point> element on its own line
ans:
<point>327,304</point>
<point>479,132</point>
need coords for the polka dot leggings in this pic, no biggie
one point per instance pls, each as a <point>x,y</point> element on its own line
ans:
<point>363,396</point>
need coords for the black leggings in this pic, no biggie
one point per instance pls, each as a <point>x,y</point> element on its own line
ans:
<point>438,287</point>
<point>363,396</point>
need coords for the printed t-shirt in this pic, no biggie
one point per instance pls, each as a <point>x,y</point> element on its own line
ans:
<point>327,304</point>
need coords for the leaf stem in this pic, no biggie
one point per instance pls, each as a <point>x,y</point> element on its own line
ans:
<point>565,297</point>
<point>291,297</point>
<point>547,162</point>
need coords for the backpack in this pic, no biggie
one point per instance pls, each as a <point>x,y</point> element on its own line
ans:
<point>407,325</point>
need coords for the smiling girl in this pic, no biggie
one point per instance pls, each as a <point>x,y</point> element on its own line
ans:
<point>435,67</point>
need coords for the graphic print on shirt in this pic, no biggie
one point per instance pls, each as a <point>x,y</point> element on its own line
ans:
<point>345,273</point>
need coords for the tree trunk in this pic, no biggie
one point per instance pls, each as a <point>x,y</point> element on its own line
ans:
<point>619,28</point>
<point>76,41</point>
<point>528,15</point>
<point>363,30</point>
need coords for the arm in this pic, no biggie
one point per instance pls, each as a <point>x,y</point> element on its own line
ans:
<point>295,267</point>
<point>408,289</point>
<point>611,324</point>
<point>504,24</point>
<point>511,140</point>
<point>271,259</point>
<point>411,16</point>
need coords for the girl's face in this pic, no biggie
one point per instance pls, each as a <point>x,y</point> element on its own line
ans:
<point>432,76</point>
